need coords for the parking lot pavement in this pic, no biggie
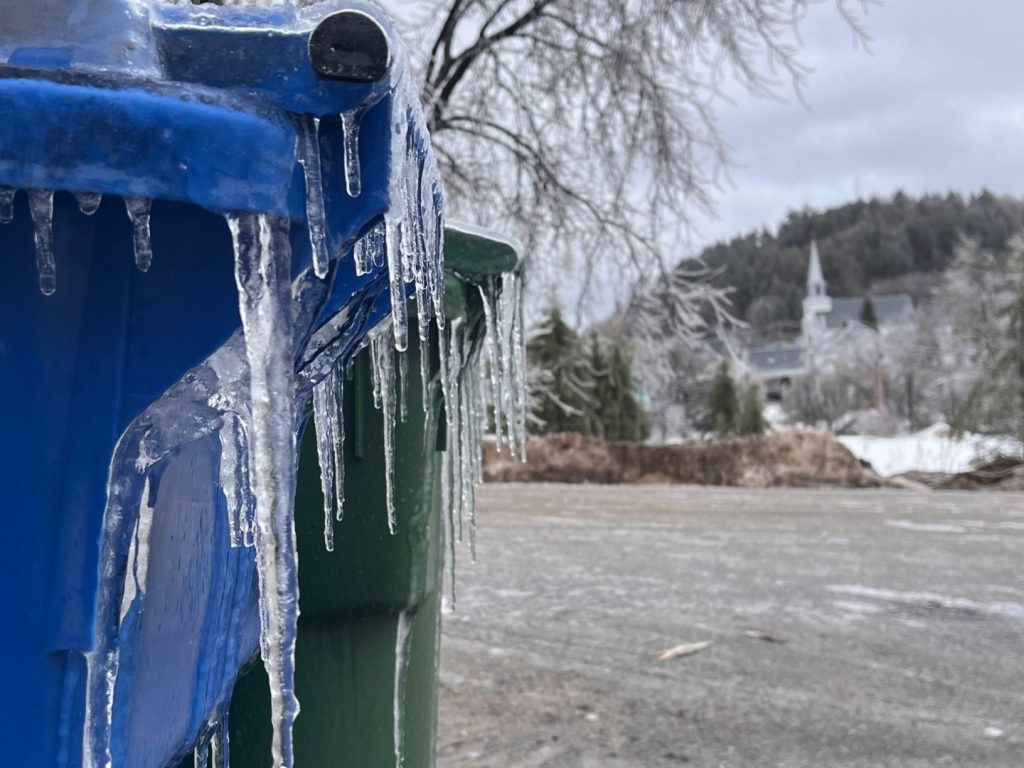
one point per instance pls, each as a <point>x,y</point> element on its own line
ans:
<point>848,628</point>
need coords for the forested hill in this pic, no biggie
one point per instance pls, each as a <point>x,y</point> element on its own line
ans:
<point>866,245</point>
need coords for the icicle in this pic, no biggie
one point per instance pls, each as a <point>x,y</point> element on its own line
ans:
<point>201,755</point>
<point>447,458</point>
<point>138,212</point>
<point>40,203</point>
<point>408,259</point>
<point>376,375</point>
<point>399,307</point>
<point>400,237</point>
<point>437,272</point>
<point>425,380</point>
<point>336,424</point>
<point>403,387</point>
<point>448,601</point>
<point>503,328</point>
<point>126,493</point>
<point>247,510</point>
<point>263,274</point>
<point>323,409</point>
<point>350,125</point>
<point>470,438</point>
<point>7,204</point>
<point>403,645</point>
<point>316,218</point>
<point>453,407</point>
<point>491,344</point>
<point>88,202</point>
<point>430,231</point>
<point>379,252</point>
<point>220,745</point>
<point>369,250</point>
<point>384,383</point>
<point>233,483</point>
<point>519,363</point>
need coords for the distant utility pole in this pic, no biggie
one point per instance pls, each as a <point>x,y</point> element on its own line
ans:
<point>879,378</point>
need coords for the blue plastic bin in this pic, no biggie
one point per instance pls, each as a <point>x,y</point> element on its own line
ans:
<point>196,108</point>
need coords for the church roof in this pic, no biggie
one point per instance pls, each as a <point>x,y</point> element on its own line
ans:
<point>890,309</point>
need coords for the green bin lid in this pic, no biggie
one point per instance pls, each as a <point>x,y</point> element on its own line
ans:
<point>476,252</point>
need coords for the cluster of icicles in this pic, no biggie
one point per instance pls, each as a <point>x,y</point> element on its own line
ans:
<point>235,394</point>
<point>40,203</point>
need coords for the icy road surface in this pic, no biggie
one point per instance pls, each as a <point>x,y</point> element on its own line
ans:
<point>850,628</point>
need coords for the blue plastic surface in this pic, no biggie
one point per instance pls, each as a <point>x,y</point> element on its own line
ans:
<point>76,368</point>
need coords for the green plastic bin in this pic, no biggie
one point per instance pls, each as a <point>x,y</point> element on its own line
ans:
<point>352,599</point>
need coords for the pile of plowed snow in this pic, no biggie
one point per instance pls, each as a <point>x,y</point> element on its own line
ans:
<point>933,450</point>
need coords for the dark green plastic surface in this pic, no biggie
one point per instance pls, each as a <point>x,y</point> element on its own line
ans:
<point>351,599</point>
<point>472,252</point>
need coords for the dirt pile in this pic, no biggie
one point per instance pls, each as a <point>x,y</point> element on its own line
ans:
<point>788,459</point>
<point>1003,474</point>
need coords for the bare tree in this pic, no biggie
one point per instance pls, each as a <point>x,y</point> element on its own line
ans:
<point>588,126</point>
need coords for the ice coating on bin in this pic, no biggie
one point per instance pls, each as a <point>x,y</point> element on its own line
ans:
<point>97,35</point>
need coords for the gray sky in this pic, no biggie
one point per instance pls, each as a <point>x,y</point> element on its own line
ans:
<point>937,103</point>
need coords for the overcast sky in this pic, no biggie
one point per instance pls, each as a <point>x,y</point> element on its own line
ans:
<point>937,103</point>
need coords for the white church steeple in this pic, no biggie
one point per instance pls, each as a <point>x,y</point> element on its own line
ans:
<point>817,304</point>
<point>815,277</point>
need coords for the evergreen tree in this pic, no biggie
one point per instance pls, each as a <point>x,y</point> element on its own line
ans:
<point>723,406</point>
<point>629,422</point>
<point>615,413</point>
<point>600,414</point>
<point>868,315</point>
<point>563,387</point>
<point>751,419</point>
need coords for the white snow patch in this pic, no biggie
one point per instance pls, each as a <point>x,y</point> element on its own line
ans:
<point>934,449</point>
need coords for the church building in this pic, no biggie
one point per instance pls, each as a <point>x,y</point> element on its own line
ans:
<point>831,328</point>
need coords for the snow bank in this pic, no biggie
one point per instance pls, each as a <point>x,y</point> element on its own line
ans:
<point>931,450</point>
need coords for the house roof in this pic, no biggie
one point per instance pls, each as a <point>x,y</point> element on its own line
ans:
<point>776,359</point>
<point>890,309</point>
